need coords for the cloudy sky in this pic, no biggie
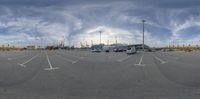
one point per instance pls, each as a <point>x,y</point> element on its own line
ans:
<point>46,22</point>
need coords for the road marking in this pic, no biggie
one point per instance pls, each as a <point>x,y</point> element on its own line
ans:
<point>162,61</point>
<point>23,64</point>
<point>50,66</point>
<point>140,62</point>
<point>123,59</point>
<point>69,60</point>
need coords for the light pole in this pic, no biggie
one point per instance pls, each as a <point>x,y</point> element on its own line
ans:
<point>36,42</point>
<point>143,21</point>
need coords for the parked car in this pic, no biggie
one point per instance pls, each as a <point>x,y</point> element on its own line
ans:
<point>131,50</point>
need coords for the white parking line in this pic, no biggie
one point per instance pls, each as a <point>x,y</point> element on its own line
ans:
<point>69,60</point>
<point>123,59</point>
<point>162,61</point>
<point>140,62</point>
<point>23,64</point>
<point>50,66</point>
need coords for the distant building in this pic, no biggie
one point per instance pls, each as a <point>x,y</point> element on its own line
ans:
<point>31,47</point>
<point>140,46</point>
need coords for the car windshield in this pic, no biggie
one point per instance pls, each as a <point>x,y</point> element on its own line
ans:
<point>99,49</point>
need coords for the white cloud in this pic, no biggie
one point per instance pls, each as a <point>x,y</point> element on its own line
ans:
<point>83,22</point>
<point>111,34</point>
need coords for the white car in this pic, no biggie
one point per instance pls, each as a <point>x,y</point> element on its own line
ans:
<point>131,50</point>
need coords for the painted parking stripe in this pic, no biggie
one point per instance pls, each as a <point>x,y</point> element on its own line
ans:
<point>159,59</point>
<point>50,65</point>
<point>23,64</point>
<point>141,59</point>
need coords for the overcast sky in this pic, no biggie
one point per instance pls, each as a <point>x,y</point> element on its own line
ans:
<point>26,22</point>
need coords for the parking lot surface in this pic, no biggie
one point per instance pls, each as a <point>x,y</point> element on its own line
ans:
<point>79,74</point>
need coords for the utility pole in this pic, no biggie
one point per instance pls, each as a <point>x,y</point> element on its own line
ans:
<point>143,21</point>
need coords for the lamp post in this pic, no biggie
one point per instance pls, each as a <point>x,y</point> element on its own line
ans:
<point>143,21</point>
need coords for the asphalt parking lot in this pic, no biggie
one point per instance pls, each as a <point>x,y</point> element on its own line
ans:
<point>78,74</point>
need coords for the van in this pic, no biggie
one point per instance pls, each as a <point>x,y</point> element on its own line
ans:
<point>131,50</point>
